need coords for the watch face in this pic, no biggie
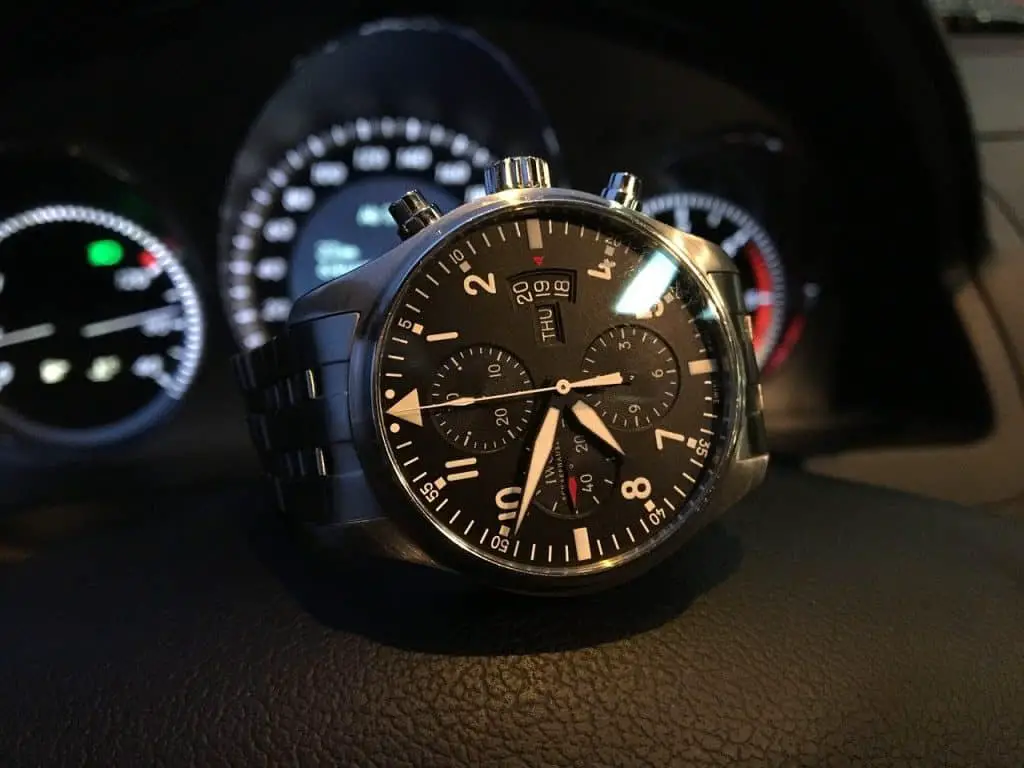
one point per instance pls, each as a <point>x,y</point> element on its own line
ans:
<point>552,390</point>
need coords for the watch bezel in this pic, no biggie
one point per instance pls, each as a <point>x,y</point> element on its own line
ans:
<point>403,507</point>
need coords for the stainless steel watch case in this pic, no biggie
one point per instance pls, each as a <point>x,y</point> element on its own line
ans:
<point>376,516</point>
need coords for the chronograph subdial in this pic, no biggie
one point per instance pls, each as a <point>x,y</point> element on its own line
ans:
<point>481,370</point>
<point>577,479</point>
<point>650,370</point>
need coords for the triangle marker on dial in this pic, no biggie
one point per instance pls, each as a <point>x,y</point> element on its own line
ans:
<point>408,409</point>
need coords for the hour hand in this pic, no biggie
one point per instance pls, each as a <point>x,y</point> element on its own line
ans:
<point>592,422</point>
<point>539,454</point>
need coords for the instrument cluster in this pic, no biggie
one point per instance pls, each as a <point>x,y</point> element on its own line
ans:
<point>309,193</point>
<point>128,278</point>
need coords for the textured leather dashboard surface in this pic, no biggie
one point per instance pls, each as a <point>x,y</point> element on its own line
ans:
<point>819,624</point>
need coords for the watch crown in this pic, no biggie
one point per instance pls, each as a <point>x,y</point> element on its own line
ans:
<point>412,212</point>
<point>623,188</point>
<point>517,173</point>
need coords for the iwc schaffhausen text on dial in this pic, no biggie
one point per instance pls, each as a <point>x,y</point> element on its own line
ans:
<point>546,389</point>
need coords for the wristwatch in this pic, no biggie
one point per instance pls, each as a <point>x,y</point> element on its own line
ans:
<point>544,389</point>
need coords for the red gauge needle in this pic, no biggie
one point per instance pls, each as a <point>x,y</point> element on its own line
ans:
<point>573,489</point>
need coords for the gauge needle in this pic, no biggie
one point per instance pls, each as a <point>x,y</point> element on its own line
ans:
<point>539,455</point>
<point>32,333</point>
<point>562,387</point>
<point>123,323</point>
<point>593,423</point>
<point>574,488</point>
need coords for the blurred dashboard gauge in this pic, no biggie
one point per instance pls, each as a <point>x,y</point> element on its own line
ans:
<point>323,210</point>
<point>747,242</point>
<point>102,326</point>
<point>396,105</point>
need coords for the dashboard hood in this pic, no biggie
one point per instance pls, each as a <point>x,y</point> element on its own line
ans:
<point>841,48</point>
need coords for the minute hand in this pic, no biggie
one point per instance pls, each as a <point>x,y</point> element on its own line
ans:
<point>562,386</point>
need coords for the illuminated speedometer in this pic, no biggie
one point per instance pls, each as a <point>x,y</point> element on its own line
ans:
<point>321,211</point>
<point>747,242</point>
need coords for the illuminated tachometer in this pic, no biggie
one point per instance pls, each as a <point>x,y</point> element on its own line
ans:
<point>739,234</point>
<point>322,210</point>
<point>101,327</point>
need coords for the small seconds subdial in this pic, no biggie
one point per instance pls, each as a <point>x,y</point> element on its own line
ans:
<point>577,479</point>
<point>649,368</point>
<point>481,370</point>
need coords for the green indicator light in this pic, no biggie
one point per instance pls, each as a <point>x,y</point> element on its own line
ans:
<point>104,253</point>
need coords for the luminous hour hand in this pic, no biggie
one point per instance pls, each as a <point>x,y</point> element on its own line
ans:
<point>591,421</point>
<point>604,380</point>
<point>539,454</point>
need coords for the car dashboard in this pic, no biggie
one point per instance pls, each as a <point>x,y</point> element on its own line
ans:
<point>175,184</point>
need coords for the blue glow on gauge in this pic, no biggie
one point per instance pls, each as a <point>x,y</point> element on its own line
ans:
<point>648,285</point>
<point>334,258</point>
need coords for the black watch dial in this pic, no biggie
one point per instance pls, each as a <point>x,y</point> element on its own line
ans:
<point>553,391</point>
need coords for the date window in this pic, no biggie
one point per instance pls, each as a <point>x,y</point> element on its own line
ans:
<point>547,325</point>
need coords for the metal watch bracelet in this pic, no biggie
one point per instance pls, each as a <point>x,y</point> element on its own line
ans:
<point>296,391</point>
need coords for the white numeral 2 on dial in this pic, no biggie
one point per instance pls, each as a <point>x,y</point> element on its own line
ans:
<point>474,283</point>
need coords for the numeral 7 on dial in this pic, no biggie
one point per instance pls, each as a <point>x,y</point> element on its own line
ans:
<point>661,435</point>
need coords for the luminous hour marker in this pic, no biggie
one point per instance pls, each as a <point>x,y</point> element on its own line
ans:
<point>408,409</point>
<point>533,235</point>
<point>581,537</point>
<point>465,266</point>
<point>469,474</point>
<point>449,336</point>
<point>417,328</point>
<point>702,367</point>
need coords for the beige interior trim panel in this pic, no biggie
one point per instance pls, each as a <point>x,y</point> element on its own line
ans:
<point>991,307</point>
